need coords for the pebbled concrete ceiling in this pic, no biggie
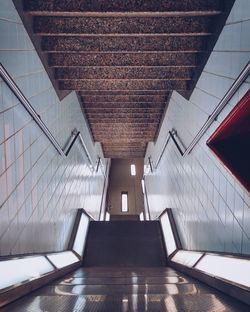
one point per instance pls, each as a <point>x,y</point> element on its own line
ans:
<point>124,58</point>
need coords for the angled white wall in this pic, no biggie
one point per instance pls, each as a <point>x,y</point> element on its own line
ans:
<point>211,208</point>
<point>39,189</point>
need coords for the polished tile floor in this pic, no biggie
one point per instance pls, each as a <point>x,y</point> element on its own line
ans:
<point>126,289</point>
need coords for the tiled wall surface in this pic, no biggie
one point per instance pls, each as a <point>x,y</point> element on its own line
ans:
<point>211,208</point>
<point>39,189</point>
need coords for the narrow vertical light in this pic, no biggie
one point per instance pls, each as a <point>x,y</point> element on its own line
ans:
<point>133,170</point>
<point>141,216</point>
<point>124,202</point>
<point>81,235</point>
<point>107,216</point>
<point>168,234</point>
<point>143,186</point>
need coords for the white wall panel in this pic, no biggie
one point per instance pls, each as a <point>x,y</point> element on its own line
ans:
<point>211,208</point>
<point>39,190</point>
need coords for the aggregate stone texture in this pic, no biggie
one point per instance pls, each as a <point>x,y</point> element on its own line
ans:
<point>134,43</point>
<point>123,25</point>
<point>124,59</point>
<point>101,6</point>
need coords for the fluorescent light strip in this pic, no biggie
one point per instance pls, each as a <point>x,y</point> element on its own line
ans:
<point>168,234</point>
<point>63,259</point>
<point>187,258</point>
<point>230,268</point>
<point>16,271</point>
<point>81,234</point>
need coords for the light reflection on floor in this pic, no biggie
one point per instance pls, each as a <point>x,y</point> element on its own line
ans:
<point>146,289</point>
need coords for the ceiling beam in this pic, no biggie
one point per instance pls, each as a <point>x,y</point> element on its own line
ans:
<point>124,120</point>
<point>123,59</point>
<point>122,99</point>
<point>121,106</point>
<point>123,43</point>
<point>178,73</point>
<point>124,155</point>
<point>123,115</point>
<point>128,111</point>
<point>139,132</point>
<point>126,128</point>
<point>123,138</point>
<point>127,150</point>
<point>123,93</point>
<point>134,145</point>
<point>127,84</point>
<point>68,26</point>
<point>123,126</point>
<point>122,134</point>
<point>99,6</point>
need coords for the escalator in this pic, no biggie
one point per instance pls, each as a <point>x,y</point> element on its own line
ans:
<point>125,269</point>
<point>124,244</point>
<point>105,289</point>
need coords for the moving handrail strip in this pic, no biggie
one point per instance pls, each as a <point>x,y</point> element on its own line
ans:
<point>23,100</point>
<point>18,93</point>
<point>227,97</point>
<point>171,135</point>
